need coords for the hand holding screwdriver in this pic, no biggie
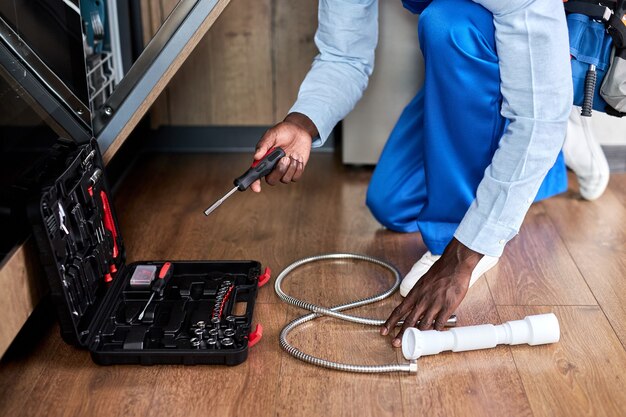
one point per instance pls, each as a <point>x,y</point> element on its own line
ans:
<point>295,135</point>
<point>158,286</point>
<point>258,170</point>
<point>281,154</point>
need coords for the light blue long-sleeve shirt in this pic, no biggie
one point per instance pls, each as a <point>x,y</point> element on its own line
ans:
<point>533,50</point>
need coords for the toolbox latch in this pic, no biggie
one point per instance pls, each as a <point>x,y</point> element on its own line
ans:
<point>264,279</point>
<point>255,336</point>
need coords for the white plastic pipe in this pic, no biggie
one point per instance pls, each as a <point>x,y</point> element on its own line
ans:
<point>534,330</point>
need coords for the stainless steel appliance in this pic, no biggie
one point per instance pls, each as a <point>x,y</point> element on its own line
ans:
<point>66,70</point>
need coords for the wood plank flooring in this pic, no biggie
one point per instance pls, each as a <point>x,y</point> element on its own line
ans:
<point>569,258</point>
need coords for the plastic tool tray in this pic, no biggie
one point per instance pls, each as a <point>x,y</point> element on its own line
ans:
<point>202,316</point>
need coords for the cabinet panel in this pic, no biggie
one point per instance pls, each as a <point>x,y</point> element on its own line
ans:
<point>398,74</point>
<point>294,28</point>
<point>247,68</point>
<point>228,78</point>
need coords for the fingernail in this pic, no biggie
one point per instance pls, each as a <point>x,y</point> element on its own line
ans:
<point>384,331</point>
<point>396,342</point>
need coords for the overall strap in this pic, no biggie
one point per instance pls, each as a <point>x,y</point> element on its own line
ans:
<point>610,12</point>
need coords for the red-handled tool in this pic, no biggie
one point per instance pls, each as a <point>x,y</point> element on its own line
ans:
<point>258,170</point>
<point>158,286</point>
<point>109,224</point>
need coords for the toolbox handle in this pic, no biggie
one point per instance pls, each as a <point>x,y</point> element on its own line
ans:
<point>255,336</point>
<point>265,278</point>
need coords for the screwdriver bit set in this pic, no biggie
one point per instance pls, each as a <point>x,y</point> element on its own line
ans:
<point>187,312</point>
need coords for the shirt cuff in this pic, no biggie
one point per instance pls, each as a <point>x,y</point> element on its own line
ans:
<point>483,236</point>
<point>322,121</point>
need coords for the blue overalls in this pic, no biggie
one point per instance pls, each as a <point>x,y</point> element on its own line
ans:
<point>446,136</point>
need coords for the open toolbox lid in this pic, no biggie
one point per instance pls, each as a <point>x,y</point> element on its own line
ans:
<point>80,259</point>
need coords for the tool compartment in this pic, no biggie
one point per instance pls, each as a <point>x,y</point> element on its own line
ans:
<point>202,315</point>
<point>166,332</point>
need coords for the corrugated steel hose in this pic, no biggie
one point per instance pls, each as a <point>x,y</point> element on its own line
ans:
<point>336,312</point>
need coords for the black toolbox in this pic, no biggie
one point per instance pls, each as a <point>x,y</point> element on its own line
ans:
<point>203,315</point>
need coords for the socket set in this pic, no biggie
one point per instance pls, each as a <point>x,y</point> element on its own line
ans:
<point>177,312</point>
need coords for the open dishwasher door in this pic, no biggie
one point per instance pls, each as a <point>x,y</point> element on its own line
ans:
<point>73,50</point>
<point>162,57</point>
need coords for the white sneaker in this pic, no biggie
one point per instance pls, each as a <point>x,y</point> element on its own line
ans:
<point>423,265</point>
<point>419,269</point>
<point>585,157</point>
<point>484,265</point>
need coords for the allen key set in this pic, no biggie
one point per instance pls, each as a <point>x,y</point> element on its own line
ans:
<point>151,312</point>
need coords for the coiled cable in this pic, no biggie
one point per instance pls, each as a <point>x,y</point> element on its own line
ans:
<point>336,311</point>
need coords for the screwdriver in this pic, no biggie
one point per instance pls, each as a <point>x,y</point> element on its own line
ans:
<point>165,273</point>
<point>258,170</point>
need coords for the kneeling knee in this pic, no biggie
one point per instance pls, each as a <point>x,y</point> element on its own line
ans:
<point>454,24</point>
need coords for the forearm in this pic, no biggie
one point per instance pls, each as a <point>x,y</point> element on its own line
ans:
<point>346,38</point>
<point>536,85</point>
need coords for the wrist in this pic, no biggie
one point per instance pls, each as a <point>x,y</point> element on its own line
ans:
<point>303,122</point>
<point>461,255</point>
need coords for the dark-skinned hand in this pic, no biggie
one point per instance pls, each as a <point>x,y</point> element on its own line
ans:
<point>295,135</point>
<point>435,297</point>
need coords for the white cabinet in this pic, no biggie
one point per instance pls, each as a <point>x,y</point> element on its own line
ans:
<point>398,75</point>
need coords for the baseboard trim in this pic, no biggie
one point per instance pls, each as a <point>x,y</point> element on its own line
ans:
<point>198,139</point>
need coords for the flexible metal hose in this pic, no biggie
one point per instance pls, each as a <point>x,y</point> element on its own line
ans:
<point>335,311</point>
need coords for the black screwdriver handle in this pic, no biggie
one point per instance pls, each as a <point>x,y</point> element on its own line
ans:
<point>165,273</point>
<point>590,90</point>
<point>259,168</point>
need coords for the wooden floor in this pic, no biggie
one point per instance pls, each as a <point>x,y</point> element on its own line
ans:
<point>570,258</point>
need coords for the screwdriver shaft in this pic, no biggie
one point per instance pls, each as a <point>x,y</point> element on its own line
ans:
<point>146,307</point>
<point>219,202</point>
<point>259,169</point>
